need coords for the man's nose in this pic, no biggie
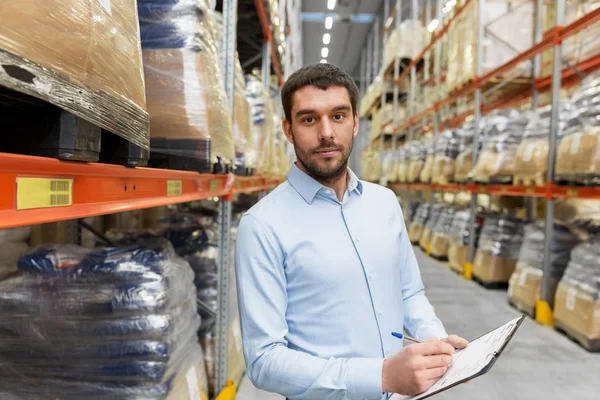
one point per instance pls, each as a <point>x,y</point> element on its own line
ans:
<point>326,130</point>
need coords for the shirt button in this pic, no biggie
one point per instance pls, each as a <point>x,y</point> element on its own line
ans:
<point>370,276</point>
<point>357,239</point>
<point>380,313</point>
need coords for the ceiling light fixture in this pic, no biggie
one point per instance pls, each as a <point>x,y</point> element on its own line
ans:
<point>328,22</point>
<point>324,52</point>
<point>433,25</point>
<point>326,38</point>
<point>330,4</point>
<point>323,61</point>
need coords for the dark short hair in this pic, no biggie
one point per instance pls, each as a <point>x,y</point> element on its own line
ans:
<point>322,76</point>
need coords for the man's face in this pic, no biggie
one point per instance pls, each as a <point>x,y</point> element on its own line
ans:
<point>322,130</point>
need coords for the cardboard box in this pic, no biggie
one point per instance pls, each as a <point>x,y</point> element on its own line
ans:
<point>440,245</point>
<point>85,56</point>
<point>458,257</point>
<point>491,269</point>
<point>464,165</point>
<point>531,160</point>
<point>414,233</point>
<point>53,232</point>
<point>425,239</point>
<point>525,288</point>
<point>577,311</point>
<point>190,384</point>
<point>577,153</point>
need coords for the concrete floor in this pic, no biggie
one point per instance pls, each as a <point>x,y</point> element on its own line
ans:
<point>539,363</point>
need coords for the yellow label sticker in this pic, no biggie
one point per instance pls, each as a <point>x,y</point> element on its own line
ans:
<point>530,190</point>
<point>572,193</point>
<point>238,184</point>
<point>174,188</point>
<point>43,193</point>
<point>214,185</point>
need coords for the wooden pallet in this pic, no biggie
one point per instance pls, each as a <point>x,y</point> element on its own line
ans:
<point>491,285</point>
<point>36,127</point>
<point>591,345</point>
<point>441,258</point>
<point>181,154</point>
<point>519,305</point>
<point>529,180</point>
<point>577,179</point>
<point>497,180</point>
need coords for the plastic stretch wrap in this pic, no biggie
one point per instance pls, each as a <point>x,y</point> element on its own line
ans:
<point>418,154</point>
<point>418,222</point>
<point>402,162</point>
<point>531,160</point>
<point>440,239</point>
<point>577,300</point>
<point>263,132</point>
<point>400,41</point>
<point>103,323</point>
<point>189,112</point>
<point>85,57</point>
<point>434,214</point>
<point>503,134</point>
<point>446,148</point>
<point>582,213</point>
<point>245,155</point>
<point>425,175</point>
<point>501,236</point>
<point>577,157</point>
<point>460,228</point>
<point>464,160</point>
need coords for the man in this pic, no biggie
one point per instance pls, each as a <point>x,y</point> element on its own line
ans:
<point>325,269</point>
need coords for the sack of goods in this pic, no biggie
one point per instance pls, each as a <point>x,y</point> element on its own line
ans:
<point>502,135</point>
<point>403,163</point>
<point>499,247</point>
<point>425,239</point>
<point>190,118</point>
<point>582,214</point>
<point>263,131</point>
<point>464,160</point>
<point>418,222</point>
<point>82,56</point>
<point>531,162</point>
<point>577,301</point>
<point>440,239</point>
<point>578,159</point>
<point>524,288</point>
<point>418,155</point>
<point>458,249</point>
<point>108,323</point>
<point>446,150</point>
<point>428,145</point>
<point>405,42</point>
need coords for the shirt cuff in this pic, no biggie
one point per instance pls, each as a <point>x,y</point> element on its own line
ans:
<point>363,378</point>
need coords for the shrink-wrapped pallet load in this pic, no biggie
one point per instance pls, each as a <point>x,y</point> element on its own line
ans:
<point>418,156</point>
<point>458,250</point>
<point>403,163</point>
<point>440,239</point>
<point>531,161</point>
<point>418,222</point>
<point>503,133</point>
<point>190,117</point>
<point>83,56</point>
<point>434,215</point>
<point>504,23</point>
<point>525,286</point>
<point>499,246</point>
<point>428,145</point>
<point>401,40</point>
<point>577,301</point>
<point>444,159</point>
<point>263,132</point>
<point>577,157</point>
<point>464,160</point>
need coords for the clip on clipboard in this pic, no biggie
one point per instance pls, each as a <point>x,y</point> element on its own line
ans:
<point>476,360</point>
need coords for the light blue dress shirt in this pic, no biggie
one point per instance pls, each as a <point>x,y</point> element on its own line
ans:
<point>321,286</point>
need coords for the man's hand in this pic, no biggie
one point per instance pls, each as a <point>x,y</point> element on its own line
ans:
<point>415,368</point>
<point>456,341</point>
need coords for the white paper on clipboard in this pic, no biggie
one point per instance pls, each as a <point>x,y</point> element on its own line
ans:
<point>472,360</point>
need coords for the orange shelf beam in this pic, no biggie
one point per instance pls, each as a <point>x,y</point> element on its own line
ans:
<point>265,23</point>
<point>104,189</point>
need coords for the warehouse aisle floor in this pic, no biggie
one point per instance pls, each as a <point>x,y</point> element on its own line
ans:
<point>539,363</point>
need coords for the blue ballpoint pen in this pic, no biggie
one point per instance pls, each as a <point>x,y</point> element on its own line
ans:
<point>407,338</point>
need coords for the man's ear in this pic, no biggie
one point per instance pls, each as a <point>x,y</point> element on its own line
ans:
<point>355,124</point>
<point>287,130</point>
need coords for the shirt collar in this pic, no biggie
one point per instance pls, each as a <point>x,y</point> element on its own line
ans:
<point>308,187</point>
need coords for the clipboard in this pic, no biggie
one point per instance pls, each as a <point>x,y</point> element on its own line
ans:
<point>473,361</point>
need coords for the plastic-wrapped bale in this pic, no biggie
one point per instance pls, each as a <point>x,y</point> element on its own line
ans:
<point>531,160</point>
<point>97,324</point>
<point>190,117</point>
<point>245,155</point>
<point>400,42</point>
<point>425,175</point>
<point>524,289</point>
<point>404,162</point>
<point>577,159</point>
<point>81,56</point>
<point>440,239</point>
<point>458,250</point>
<point>502,135</point>
<point>417,224</point>
<point>499,246</point>
<point>577,301</point>
<point>418,155</point>
<point>464,160</point>
<point>583,214</point>
<point>446,149</point>
<point>262,124</point>
<point>411,209</point>
<point>425,239</point>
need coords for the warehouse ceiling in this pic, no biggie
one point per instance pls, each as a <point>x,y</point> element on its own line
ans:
<point>347,37</point>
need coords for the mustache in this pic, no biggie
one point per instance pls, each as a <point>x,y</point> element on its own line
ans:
<point>327,147</point>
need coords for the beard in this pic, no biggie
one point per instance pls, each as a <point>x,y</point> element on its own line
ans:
<point>320,168</point>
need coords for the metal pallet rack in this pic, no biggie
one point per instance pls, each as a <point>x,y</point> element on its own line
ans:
<point>561,77</point>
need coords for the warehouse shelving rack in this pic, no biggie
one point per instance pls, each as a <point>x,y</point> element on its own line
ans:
<point>559,78</point>
<point>39,190</point>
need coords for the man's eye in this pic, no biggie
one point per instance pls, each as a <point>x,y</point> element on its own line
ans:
<point>338,117</point>
<point>309,120</point>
